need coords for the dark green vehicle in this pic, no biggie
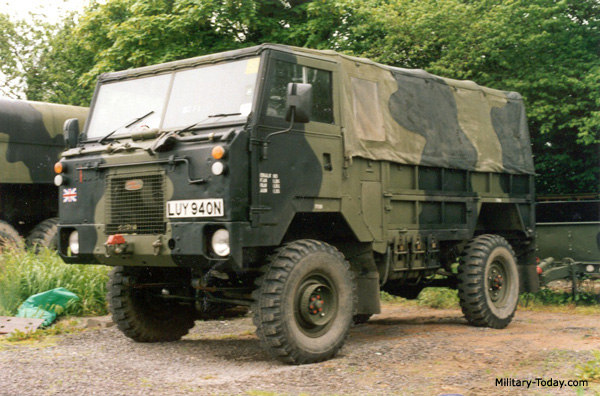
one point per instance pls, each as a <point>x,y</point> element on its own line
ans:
<point>300,183</point>
<point>568,238</point>
<point>31,140</point>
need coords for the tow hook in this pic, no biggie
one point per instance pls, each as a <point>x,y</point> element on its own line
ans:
<point>116,244</point>
<point>157,245</point>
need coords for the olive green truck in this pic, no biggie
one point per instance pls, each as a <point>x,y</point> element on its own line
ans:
<point>299,183</point>
<point>31,140</point>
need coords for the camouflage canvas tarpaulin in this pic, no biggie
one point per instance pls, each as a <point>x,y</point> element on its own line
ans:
<point>413,117</point>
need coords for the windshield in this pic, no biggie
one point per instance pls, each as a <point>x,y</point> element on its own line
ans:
<point>177,99</point>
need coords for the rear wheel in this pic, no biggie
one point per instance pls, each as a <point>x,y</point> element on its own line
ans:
<point>142,312</point>
<point>304,305</point>
<point>44,235</point>
<point>488,282</point>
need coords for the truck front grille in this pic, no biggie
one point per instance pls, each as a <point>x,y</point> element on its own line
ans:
<point>135,203</point>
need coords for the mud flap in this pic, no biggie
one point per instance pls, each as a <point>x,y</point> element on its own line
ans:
<point>529,281</point>
<point>367,288</point>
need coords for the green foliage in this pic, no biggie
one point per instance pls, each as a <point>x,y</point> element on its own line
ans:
<point>438,297</point>
<point>545,49</point>
<point>546,296</point>
<point>386,297</point>
<point>20,45</point>
<point>123,34</point>
<point>58,328</point>
<point>23,273</point>
<point>431,297</point>
<point>590,370</point>
<point>8,65</point>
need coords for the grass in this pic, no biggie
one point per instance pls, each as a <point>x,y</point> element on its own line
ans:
<point>547,300</point>
<point>69,326</point>
<point>591,369</point>
<point>431,297</point>
<point>23,273</point>
<point>438,297</point>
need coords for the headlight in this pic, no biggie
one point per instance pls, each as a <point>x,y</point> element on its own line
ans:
<point>74,242</point>
<point>218,168</point>
<point>59,180</point>
<point>220,242</point>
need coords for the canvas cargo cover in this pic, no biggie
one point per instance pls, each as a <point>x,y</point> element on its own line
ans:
<point>410,116</point>
<point>414,117</point>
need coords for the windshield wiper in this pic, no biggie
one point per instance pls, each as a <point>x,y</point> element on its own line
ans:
<point>187,128</point>
<point>127,125</point>
<point>223,115</point>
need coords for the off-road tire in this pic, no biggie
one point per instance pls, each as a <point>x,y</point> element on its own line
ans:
<point>44,235</point>
<point>141,314</point>
<point>488,282</point>
<point>298,274</point>
<point>8,235</point>
<point>361,318</point>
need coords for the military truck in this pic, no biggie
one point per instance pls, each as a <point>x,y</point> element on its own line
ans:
<point>31,139</point>
<point>300,183</point>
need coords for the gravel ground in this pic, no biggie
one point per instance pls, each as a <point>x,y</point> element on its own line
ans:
<point>403,351</point>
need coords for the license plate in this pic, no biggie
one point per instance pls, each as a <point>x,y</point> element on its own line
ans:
<point>195,208</point>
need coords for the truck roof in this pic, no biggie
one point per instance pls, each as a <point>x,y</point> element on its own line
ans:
<point>408,116</point>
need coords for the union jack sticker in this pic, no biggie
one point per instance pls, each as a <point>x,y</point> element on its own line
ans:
<point>69,194</point>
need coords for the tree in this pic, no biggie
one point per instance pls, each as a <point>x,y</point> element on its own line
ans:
<point>122,34</point>
<point>20,45</point>
<point>548,50</point>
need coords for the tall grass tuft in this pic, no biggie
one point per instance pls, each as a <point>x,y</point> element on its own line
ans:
<point>23,273</point>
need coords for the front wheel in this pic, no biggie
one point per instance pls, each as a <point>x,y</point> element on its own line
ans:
<point>304,304</point>
<point>141,311</point>
<point>488,282</point>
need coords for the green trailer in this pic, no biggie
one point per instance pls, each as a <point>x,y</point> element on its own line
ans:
<point>568,239</point>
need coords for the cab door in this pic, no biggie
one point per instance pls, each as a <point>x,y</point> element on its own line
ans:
<point>299,170</point>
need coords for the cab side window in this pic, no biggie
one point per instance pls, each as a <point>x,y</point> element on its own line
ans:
<point>285,73</point>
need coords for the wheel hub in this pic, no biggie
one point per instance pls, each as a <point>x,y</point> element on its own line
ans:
<point>317,304</point>
<point>496,282</point>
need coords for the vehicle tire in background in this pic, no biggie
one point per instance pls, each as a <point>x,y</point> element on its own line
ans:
<point>8,235</point>
<point>44,235</point>
<point>488,282</point>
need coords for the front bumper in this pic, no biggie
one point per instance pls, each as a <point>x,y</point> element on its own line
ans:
<point>184,244</point>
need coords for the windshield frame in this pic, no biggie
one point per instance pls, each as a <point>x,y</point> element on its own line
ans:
<point>208,122</point>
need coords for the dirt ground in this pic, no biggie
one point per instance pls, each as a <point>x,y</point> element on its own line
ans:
<point>404,351</point>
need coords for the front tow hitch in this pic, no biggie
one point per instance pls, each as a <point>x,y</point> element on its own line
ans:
<point>117,245</point>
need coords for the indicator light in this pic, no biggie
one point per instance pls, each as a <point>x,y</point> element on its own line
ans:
<point>218,152</point>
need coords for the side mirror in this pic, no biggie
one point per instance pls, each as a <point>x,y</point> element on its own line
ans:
<point>298,102</point>
<point>71,131</point>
